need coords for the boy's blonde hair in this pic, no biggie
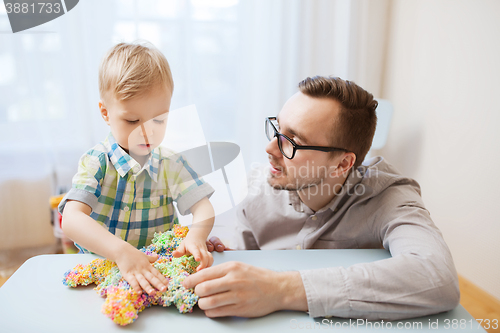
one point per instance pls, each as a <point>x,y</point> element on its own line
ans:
<point>129,70</point>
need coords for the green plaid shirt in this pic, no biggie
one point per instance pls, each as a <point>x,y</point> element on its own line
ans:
<point>131,201</point>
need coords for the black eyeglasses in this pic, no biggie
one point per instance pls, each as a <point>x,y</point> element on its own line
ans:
<point>286,145</point>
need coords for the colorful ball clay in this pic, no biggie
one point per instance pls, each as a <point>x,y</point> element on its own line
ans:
<point>122,303</point>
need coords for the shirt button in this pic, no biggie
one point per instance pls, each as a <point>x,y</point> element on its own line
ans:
<point>126,209</point>
<point>314,217</point>
<point>155,202</point>
<point>298,247</point>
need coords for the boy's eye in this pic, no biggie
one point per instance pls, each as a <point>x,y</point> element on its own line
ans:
<point>132,121</point>
<point>158,121</point>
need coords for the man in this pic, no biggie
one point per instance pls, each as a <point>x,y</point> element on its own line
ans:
<point>316,194</point>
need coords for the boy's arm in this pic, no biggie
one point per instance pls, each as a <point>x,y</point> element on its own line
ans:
<point>134,265</point>
<point>203,219</point>
<point>195,241</point>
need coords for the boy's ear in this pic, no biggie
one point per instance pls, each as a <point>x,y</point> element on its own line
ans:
<point>104,112</point>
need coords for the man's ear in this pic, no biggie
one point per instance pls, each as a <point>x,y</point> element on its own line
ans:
<point>345,164</point>
<point>104,112</point>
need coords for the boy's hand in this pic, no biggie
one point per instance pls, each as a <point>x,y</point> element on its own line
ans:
<point>215,244</point>
<point>135,267</point>
<point>196,247</point>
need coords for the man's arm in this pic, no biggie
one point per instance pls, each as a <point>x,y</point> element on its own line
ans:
<point>239,289</point>
<point>420,278</point>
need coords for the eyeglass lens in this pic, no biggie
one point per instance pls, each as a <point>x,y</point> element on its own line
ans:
<point>269,130</point>
<point>284,145</point>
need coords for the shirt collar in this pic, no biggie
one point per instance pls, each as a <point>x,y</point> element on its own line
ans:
<point>124,163</point>
<point>295,201</point>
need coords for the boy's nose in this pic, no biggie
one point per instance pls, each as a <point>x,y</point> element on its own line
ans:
<point>146,129</point>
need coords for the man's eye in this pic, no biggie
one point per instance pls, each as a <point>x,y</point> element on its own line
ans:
<point>158,121</point>
<point>132,121</point>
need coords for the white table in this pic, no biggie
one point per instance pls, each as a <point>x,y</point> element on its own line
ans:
<point>34,299</point>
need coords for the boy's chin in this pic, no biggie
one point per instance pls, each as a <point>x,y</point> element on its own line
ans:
<point>140,153</point>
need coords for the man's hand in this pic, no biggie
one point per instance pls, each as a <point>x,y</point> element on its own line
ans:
<point>239,289</point>
<point>198,248</point>
<point>215,244</point>
<point>135,267</point>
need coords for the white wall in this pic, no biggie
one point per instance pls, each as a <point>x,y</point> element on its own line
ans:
<point>443,76</point>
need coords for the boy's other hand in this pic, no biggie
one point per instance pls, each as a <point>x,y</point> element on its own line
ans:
<point>196,247</point>
<point>135,267</point>
<point>215,244</point>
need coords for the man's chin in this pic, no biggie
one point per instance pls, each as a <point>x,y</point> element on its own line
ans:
<point>275,184</point>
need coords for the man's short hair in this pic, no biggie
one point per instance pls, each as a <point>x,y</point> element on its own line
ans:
<point>131,69</point>
<point>357,119</point>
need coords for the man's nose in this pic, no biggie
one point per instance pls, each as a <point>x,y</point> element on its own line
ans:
<point>273,149</point>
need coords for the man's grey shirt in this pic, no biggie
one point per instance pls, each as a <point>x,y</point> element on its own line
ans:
<point>378,207</point>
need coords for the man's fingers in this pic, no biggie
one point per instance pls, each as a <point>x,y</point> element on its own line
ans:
<point>209,273</point>
<point>215,240</point>
<point>212,288</point>
<point>217,243</point>
<point>215,301</point>
<point>223,311</point>
<point>210,246</point>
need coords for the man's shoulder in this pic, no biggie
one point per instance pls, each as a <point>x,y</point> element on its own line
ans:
<point>380,172</point>
<point>385,180</point>
<point>379,164</point>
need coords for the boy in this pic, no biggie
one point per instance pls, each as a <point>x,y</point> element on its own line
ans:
<point>127,183</point>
